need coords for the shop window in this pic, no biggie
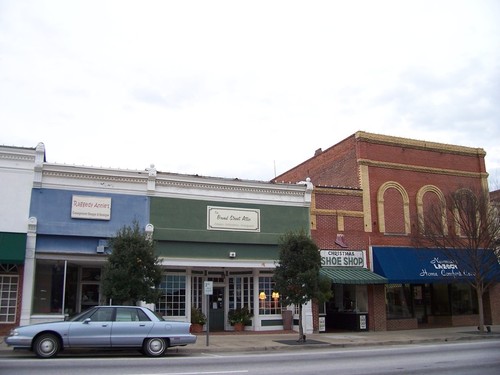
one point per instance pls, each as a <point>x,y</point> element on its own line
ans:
<point>464,299</point>
<point>173,300</point>
<point>49,288</point>
<point>241,292</point>
<point>398,301</point>
<point>8,298</point>
<point>197,292</point>
<point>348,298</point>
<point>52,296</point>
<point>441,299</point>
<point>269,299</point>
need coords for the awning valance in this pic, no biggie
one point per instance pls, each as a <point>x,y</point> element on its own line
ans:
<point>421,266</point>
<point>12,247</point>
<point>352,275</point>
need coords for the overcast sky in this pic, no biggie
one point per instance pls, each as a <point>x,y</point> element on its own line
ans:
<point>244,89</point>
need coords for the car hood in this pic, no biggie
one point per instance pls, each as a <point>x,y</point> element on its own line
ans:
<point>41,326</point>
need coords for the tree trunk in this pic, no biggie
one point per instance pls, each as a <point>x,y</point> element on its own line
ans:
<point>301,327</point>
<point>480,292</point>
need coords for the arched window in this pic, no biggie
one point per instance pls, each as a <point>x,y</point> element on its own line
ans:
<point>393,199</point>
<point>431,210</point>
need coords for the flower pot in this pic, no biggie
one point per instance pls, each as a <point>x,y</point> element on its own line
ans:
<point>196,328</point>
<point>238,327</point>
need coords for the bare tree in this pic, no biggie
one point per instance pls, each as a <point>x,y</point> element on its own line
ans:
<point>467,229</point>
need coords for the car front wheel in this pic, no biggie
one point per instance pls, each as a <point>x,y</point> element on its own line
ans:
<point>154,347</point>
<point>46,346</point>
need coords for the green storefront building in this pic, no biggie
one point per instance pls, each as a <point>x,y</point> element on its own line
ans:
<point>223,235</point>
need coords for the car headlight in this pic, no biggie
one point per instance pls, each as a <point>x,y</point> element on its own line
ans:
<point>14,332</point>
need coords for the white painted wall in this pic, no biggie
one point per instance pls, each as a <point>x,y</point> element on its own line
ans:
<point>16,181</point>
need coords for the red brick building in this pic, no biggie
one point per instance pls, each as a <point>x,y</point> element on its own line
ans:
<point>370,192</point>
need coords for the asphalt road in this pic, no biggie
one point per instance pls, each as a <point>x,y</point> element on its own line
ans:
<point>477,357</point>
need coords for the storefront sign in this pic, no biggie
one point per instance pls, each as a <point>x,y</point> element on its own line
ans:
<point>443,268</point>
<point>343,258</point>
<point>93,208</point>
<point>236,219</point>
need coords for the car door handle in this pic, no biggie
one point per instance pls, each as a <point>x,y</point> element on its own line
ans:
<point>104,325</point>
<point>142,325</point>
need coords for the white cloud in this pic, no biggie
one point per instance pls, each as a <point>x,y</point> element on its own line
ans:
<point>239,89</point>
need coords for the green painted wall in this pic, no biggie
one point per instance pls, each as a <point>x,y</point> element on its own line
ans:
<point>181,229</point>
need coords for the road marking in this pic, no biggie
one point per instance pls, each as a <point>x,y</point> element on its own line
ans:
<point>201,372</point>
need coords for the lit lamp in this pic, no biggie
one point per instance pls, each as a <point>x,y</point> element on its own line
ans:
<point>276,297</point>
<point>262,298</point>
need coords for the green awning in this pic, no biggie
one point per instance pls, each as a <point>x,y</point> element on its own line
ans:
<point>12,248</point>
<point>353,275</point>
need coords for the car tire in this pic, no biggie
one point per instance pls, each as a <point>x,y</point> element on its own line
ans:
<point>154,347</point>
<point>46,346</point>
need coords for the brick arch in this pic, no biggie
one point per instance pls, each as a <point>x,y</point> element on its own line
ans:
<point>420,206</point>
<point>381,205</point>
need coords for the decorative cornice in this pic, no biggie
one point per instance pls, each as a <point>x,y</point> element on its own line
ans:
<point>296,190</point>
<point>93,176</point>
<point>419,145</point>
<point>17,153</point>
<point>325,212</point>
<point>416,168</point>
<point>337,191</point>
<point>152,183</point>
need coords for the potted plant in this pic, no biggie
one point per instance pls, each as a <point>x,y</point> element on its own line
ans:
<point>198,319</point>
<point>239,317</point>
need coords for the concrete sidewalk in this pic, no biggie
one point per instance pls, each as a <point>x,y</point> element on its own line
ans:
<point>264,341</point>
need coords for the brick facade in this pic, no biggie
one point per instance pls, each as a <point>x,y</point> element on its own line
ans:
<point>372,188</point>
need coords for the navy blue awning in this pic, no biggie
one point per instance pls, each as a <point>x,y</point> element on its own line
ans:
<point>421,266</point>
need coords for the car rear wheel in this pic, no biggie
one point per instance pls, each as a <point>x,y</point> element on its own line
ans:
<point>46,346</point>
<point>154,347</point>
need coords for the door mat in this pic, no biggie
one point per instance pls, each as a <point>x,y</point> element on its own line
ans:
<point>295,342</point>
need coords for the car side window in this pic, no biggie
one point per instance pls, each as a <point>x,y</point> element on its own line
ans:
<point>102,315</point>
<point>127,314</point>
<point>142,316</point>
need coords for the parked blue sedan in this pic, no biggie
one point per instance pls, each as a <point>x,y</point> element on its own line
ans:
<point>104,327</point>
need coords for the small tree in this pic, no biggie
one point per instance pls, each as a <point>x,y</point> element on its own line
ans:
<point>467,228</point>
<point>132,272</point>
<point>296,275</point>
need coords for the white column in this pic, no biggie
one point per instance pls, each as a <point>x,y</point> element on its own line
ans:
<point>307,318</point>
<point>256,302</point>
<point>29,272</point>
<point>189,294</point>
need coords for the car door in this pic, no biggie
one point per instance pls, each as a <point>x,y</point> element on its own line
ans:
<point>130,327</point>
<point>93,331</point>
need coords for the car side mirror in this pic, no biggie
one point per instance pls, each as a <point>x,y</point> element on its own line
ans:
<point>87,321</point>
